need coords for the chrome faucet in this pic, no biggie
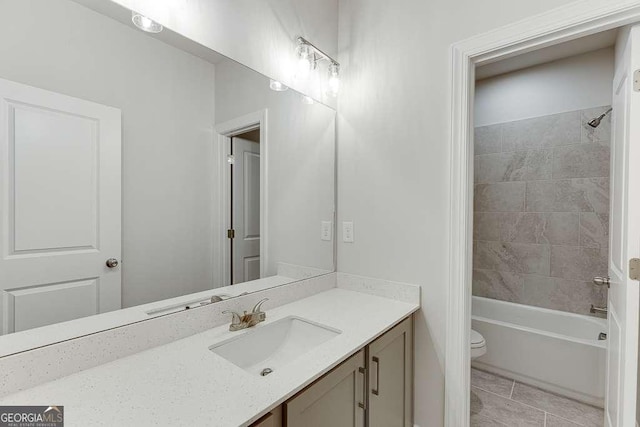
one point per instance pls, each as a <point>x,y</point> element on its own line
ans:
<point>598,310</point>
<point>221,297</point>
<point>247,320</point>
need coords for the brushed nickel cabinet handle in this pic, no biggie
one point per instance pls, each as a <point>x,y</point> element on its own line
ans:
<point>376,390</point>
<point>363,404</point>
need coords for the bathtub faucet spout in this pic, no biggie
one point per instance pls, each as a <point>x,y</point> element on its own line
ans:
<point>598,310</point>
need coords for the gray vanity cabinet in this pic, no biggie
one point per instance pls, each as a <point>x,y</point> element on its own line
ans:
<point>374,387</point>
<point>390,367</point>
<point>337,399</point>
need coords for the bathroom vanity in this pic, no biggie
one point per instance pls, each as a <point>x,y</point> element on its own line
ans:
<point>345,359</point>
<point>375,384</point>
<point>180,186</point>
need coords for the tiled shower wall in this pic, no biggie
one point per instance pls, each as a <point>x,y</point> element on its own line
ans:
<point>541,211</point>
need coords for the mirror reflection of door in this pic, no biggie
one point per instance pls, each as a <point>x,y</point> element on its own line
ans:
<point>245,207</point>
<point>61,210</point>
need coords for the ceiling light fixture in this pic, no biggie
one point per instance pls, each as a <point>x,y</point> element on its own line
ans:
<point>309,56</point>
<point>277,86</point>
<point>145,24</point>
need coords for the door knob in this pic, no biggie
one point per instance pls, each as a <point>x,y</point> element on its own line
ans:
<point>602,281</point>
<point>112,263</point>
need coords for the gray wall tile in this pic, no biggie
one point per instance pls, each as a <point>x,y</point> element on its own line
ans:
<point>502,285</point>
<point>578,263</point>
<point>570,195</point>
<point>499,197</point>
<point>594,230</point>
<point>487,139</point>
<point>487,225</point>
<point>512,257</point>
<point>561,294</point>
<point>564,166</point>
<point>541,228</point>
<point>542,132</point>
<point>581,161</point>
<point>514,166</point>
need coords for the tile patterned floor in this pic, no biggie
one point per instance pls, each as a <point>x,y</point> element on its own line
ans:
<point>500,402</point>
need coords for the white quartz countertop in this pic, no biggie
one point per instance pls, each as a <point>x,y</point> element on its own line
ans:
<point>184,383</point>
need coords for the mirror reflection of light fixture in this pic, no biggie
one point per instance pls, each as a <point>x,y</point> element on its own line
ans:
<point>145,24</point>
<point>309,56</point>
<point>277,86</point>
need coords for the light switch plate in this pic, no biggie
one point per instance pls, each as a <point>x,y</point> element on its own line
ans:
<point>326,230</point>
<point>347,231</point>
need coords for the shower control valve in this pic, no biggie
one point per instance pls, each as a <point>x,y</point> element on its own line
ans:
<point>602,281</point>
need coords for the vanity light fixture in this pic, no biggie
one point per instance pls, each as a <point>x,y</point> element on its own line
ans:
<point>145,24</point>
<point>306,61</point>
<point>277,86</point>
<point>334,79</point>
<point>309,56</point>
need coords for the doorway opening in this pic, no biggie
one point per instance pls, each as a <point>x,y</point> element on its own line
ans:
<point>241,234</point>
<point>244,189</point>
<point>542,142</point>
<point>602,196</point>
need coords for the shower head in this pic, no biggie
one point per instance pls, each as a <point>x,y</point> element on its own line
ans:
<point>594,123</point>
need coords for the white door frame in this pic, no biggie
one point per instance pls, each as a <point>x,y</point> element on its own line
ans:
<point>225,131</point>
<point>569,22</point>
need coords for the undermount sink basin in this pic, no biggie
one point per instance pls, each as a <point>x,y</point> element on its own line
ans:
<point>269,347</point>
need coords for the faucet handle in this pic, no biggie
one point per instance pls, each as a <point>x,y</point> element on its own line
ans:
<point>236,319</point>
<point>258,307</point>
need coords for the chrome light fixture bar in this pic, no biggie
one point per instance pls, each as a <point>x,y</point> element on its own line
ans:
<point>308,57</point>
<point>318,54</point>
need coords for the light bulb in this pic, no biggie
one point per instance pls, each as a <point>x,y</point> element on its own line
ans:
<point>277,86</point>
<point>305,61</point>
<point>304,67</point>
<point>334,79</point>
<point>145,24</point>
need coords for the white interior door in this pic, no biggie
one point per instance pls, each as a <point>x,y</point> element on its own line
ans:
<point>245,210</point>
<point>622,356</point>
<point>60,207</point>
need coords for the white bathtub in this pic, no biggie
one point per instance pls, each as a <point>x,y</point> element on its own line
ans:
<point>556,351</point>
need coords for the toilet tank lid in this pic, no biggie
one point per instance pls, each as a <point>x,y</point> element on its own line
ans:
<point>476,338</point>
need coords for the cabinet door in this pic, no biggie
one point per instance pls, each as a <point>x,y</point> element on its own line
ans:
<point>272,419</point>
<point>336,400</point>
<point>391,378</point>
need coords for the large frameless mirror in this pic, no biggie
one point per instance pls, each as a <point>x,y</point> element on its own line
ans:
<point>143,174</point>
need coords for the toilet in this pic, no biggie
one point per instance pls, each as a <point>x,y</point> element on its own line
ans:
<point>478,345</point>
